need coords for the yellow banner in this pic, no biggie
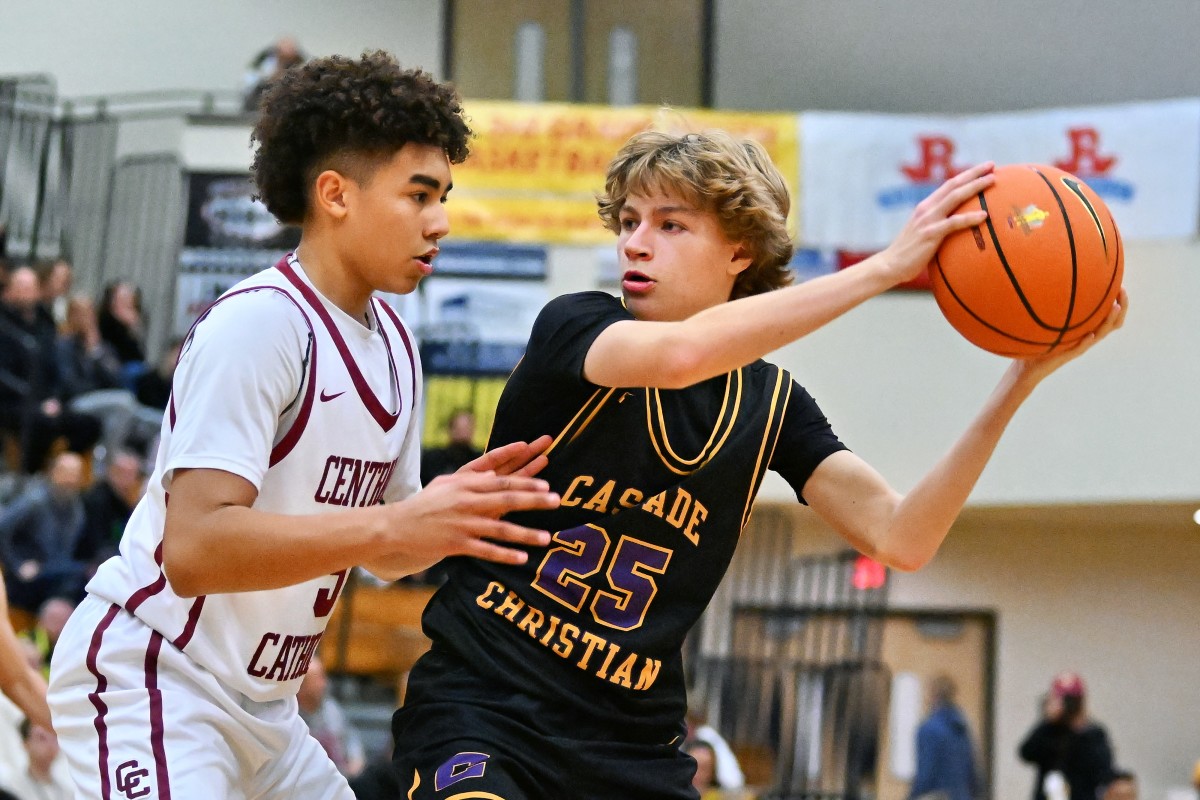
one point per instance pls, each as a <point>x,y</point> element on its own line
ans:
<point>535,170</point>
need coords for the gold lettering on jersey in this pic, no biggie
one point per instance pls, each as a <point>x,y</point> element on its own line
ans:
<point>599,501</point>
<point>566,639</point>
<point>569,498</point>
<point>676,505</point>
<point>288,656</point>
<point>347,481</point>
<point>655,504</point>
<point>630,498</point>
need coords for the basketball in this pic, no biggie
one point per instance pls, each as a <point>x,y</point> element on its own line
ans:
<point>1040,273</point>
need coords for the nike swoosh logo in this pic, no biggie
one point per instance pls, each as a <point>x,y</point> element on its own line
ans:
<point>325,398</point>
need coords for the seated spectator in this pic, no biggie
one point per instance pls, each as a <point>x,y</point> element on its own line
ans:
<point>54,280</point>
<point>460,447</point>
<point>38,533</point>
<point>42,637</point>
<point>92,381</point>
<point>44,776</point>
<point>107,506</point>
<point>727,772</point>
<point>706,765</point>
<point>122,325</point>
<point>268,66</point>
<point>327,722</point>
<point>153,387</point>
<point>31,405</point>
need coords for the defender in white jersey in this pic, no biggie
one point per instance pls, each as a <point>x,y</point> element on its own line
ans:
<point>289,453</point>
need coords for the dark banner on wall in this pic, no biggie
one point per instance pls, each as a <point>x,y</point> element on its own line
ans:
<point>222,212</point>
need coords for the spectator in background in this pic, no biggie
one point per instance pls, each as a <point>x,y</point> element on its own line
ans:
<point>43,778</point>
<point>1068,742</point>
<point>153,387</point>
<point>107,506</point>
<point>1123,786</point>
<point>91,377</point>
<point>31,404</point>
<point>124,328</point>
<point>459,449</point>
<point>38,533</point>
<point>706,765</point>
<point>327,722</point>
<point>54,280</point>
<point>727,772</point>
<point>43,636</point>
<point>945,753</point>
<point>267,67</point>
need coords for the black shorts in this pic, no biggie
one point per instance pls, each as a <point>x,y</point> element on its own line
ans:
<point>452,750</point>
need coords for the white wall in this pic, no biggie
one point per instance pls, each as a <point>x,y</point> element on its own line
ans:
<point>948,56</point>
<point>1108,591</point>
<point>899,385</point>
<point>147,45</point>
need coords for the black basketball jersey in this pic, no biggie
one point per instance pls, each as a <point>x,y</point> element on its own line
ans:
<point>585,639</point>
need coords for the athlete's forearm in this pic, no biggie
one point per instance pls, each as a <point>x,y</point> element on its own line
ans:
<point>922,519</point>
<point>20,682</point>
<point>730,335</point>
<point>215,541</point>
<point>29,695</point>
<point>240,549</point>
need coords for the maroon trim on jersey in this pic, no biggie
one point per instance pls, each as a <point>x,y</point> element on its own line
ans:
<point>289,440</point>
<point>149,590</point>
<point>386,419</point>
<point>98,704</point>
<point>412,358</point>
<point>182,640</point>
<point>156,716</point>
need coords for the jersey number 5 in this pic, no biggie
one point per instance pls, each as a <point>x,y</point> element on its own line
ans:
<point>581,553</point>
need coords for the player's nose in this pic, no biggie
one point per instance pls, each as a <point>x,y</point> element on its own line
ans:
<point>637,243</point>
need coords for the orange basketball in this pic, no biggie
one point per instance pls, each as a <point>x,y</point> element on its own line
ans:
<point>1040,273</point>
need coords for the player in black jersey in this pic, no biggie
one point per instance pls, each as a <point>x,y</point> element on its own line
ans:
<point>562,678</point>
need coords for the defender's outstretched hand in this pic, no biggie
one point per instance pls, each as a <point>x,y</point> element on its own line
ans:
<point>933,219</point>
<point>516,458</point>
<point>459,515</point>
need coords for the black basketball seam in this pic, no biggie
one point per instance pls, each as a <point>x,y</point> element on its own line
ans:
<point>1073,185</point>
<point>1074,256</point>
<point>1112,274</point>
<point>938,264</point>
<point>1012,279</point>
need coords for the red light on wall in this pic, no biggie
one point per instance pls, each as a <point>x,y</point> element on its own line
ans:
<point>868,574</point>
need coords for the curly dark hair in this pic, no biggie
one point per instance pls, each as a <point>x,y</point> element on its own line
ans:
<point>350,115</point>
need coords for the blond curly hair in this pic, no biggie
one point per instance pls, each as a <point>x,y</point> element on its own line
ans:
<point>733,178</point>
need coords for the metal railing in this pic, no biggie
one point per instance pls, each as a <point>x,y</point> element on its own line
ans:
<point>786,663</point>
<point>65,193</point>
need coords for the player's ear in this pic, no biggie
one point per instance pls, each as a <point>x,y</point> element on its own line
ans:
<point>329,193</point>
<point>740,260</point>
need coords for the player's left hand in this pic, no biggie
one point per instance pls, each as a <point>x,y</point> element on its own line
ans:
<point>517,458</point>
<point>1042,366</point>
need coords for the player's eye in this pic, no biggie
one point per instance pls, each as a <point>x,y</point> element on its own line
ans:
<point>628,224</point>
<point>671,225</point>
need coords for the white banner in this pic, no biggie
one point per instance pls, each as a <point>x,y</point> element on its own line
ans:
<point>862,174</point>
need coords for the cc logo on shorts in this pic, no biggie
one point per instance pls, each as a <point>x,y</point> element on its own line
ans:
<point>129,778</point>
<point>459,768</point>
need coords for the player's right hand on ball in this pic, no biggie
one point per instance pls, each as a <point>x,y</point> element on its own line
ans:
<point>933,219</point>
<point>459,515</point>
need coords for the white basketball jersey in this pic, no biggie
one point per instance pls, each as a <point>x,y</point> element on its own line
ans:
<point>320,413</point>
